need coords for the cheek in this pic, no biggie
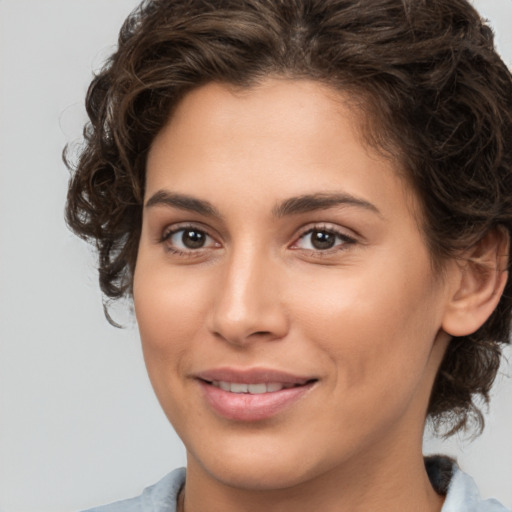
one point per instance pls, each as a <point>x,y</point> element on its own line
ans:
<point>376,328</point>
<point>167,307</point>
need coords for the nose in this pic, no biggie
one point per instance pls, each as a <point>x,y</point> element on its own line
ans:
<point>247,305</point>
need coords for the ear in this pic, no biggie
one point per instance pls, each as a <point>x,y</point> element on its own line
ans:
<point>480,277</point>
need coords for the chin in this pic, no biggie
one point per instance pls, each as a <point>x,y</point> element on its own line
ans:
<point>261,463</point>
<point>262,475</point>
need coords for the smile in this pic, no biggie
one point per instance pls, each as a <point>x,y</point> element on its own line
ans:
<point>252,395</point>
<point>253,389</point>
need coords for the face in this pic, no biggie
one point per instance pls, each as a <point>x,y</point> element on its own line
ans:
<point>283,289</point>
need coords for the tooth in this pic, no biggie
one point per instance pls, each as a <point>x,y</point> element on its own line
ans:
<point>238,387</point>
<point>257,389</point>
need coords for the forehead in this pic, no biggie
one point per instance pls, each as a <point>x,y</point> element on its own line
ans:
<point>278,139</point>
<point>264,113</point>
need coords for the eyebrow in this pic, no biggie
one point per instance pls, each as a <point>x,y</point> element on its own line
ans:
<point>182,202</point>
<point>292,206</point>
<point>311,202</point>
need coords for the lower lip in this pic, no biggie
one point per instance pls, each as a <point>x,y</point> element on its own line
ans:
<point>248,407</point>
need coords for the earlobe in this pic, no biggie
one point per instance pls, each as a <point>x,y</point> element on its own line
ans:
<point>480,281</point>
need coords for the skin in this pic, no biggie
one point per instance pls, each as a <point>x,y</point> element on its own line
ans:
<point>365,318</point>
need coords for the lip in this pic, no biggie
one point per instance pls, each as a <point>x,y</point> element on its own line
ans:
<point>252,376</point>
<point>252,407</point>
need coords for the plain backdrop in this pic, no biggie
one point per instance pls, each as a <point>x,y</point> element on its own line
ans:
<point>79,424</point>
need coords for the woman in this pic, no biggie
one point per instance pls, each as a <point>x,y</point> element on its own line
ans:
<point>310,203</point>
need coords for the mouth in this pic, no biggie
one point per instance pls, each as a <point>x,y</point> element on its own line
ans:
<point>252,389</point>
<point>252,395</point>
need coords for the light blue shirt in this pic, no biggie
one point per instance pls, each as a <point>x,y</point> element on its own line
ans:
<point>462,496</point>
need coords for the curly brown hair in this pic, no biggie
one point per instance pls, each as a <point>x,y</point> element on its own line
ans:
<point>437,97</point>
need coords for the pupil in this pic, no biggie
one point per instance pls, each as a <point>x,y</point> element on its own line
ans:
<point>322,239</point>
<point>193,239</point>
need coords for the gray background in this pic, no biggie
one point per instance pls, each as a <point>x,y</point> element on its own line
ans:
<point>79,424</point>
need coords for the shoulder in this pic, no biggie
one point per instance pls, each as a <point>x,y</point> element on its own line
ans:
<point>160,497</point>
<point>462,494</point>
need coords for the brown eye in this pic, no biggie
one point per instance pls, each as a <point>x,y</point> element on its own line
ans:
<point>193,238</point>
<point>322,239</point>
<point>188,239</point>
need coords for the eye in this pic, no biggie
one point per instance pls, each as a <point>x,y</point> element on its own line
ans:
<point>188,239</point>
<point>322,239</point>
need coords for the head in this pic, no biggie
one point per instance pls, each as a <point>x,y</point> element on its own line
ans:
<point>430,95</point>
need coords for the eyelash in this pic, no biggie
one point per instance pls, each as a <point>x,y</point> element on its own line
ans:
<point>170,232</point>
<point>342,238</point>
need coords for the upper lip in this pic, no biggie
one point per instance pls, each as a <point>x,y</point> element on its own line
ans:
<point>251,376</point>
